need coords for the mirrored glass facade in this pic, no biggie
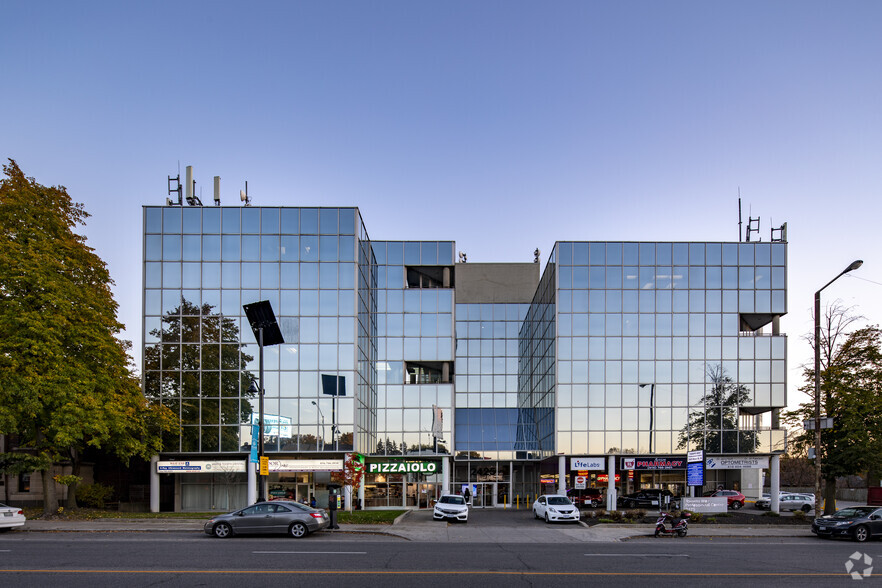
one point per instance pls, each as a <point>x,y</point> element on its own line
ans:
<point>616,348</point>
<point>316,268</point>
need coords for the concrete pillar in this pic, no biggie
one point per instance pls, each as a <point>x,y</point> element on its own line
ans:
<point>361,492</point>
<point>562,474</point>
<point>445,279</point>
<point>776,325</point>
<point>251,468</point>
<point>511,483</point>
<point>775,491</point>
<point>445,372</point>
<point>445,475</point>
<point>154,484</point>
<point>611,484</point>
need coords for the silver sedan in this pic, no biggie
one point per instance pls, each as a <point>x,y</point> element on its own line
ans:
<point>278,516</point>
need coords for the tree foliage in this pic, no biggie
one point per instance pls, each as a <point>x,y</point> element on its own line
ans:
<point>200,382</point>
<point>851,393</point>
<point>713,426</point>
<point>65,377</point>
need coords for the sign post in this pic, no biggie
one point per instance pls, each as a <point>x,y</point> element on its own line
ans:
<point>695,468</point>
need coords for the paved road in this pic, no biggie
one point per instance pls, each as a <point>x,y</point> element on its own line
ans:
<point>175,558</point>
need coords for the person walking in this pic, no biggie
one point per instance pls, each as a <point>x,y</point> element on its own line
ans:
<point>467,495</point>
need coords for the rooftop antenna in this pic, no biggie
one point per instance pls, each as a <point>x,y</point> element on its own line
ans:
<point>739,214</point>
<point>243,195</point>
<point>536,255</point>
<point>217,190</point>
<point>176,189</point>
<point>191,197</point>
<point>781,236</point>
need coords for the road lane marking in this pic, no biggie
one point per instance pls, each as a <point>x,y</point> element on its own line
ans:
<point>314,552</point>
<point>635,555</point>
<point>431,573</point>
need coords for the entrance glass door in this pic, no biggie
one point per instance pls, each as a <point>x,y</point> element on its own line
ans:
<point>485,495</point>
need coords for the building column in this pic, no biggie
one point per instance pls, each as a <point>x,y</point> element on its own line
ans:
<point>361,492</point>
<point>154,484</point>
<point>611,484</point>
<point>251,468</point>
<point>775,491</point>
<point>445,475</point>
<point>562,475</point>
<point>445,277</point>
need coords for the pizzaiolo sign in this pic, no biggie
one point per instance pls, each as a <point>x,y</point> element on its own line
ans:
<point>403,467</point>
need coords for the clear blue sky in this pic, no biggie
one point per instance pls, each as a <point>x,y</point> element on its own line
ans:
<point>502,125</point>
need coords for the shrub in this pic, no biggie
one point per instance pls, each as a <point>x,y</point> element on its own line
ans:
<point>771,514</point>
<point>94,495</point>
<point>615,515</point>
<point>696,517</point>
<point>635,514</point>
<point>799,515</point>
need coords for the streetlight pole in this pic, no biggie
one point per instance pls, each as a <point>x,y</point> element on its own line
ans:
<point>651,413</point>
<point>854,265</point>
<point>321,414</point>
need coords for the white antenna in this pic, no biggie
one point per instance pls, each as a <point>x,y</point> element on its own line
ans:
<point>217,190</point>
<point>243,195</point>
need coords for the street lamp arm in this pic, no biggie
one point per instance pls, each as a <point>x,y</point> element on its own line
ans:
<point>854,265</point>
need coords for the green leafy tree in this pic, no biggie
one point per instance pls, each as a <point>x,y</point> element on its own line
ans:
<point>713,426</point>
<point>218,360</point>
<point>65,377</point>
<point>851,392</point>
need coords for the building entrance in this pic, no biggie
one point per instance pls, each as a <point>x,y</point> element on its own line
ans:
<point>485,495</point>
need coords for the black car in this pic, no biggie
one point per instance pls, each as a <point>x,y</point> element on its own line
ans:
<point>648,498</point>
<point>860,523</point>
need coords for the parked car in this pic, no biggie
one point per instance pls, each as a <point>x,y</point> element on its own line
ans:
<point>734,498</point>
<point>278,516</point>
<point>648,498</point>
<point>10,516</point>
<point>451,506</point>
<point>860,523</point>
<point>786,501</point>
<point>589,497</point>
<point>555,507</point>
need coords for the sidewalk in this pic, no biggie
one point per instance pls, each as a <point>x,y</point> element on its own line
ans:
<point>418,526</point>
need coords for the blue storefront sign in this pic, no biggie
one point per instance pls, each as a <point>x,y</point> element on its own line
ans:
<point>255,434</point>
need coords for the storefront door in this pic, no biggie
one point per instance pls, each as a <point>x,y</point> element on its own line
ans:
<point>485,495</point>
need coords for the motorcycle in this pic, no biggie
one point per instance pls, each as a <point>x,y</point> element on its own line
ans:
<point>680,528</point>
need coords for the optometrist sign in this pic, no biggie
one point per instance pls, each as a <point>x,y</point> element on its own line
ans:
<point>587,463</point>
<point>737,463</point>
<point>403,467</point>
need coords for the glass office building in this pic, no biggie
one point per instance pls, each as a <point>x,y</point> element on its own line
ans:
<point>444,374</point>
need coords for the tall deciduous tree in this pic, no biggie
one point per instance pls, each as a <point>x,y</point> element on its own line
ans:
<point>851,393</point>
<point>65,377</point>
<point>713,425</point>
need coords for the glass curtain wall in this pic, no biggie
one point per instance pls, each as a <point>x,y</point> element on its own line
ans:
<point>414,341</point>
<point>201,265</point>
<point>661,347</point>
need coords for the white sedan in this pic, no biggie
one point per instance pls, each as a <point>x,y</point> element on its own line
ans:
<point>451,506</point>
<point>555,507</point>
<point>10,516</point>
